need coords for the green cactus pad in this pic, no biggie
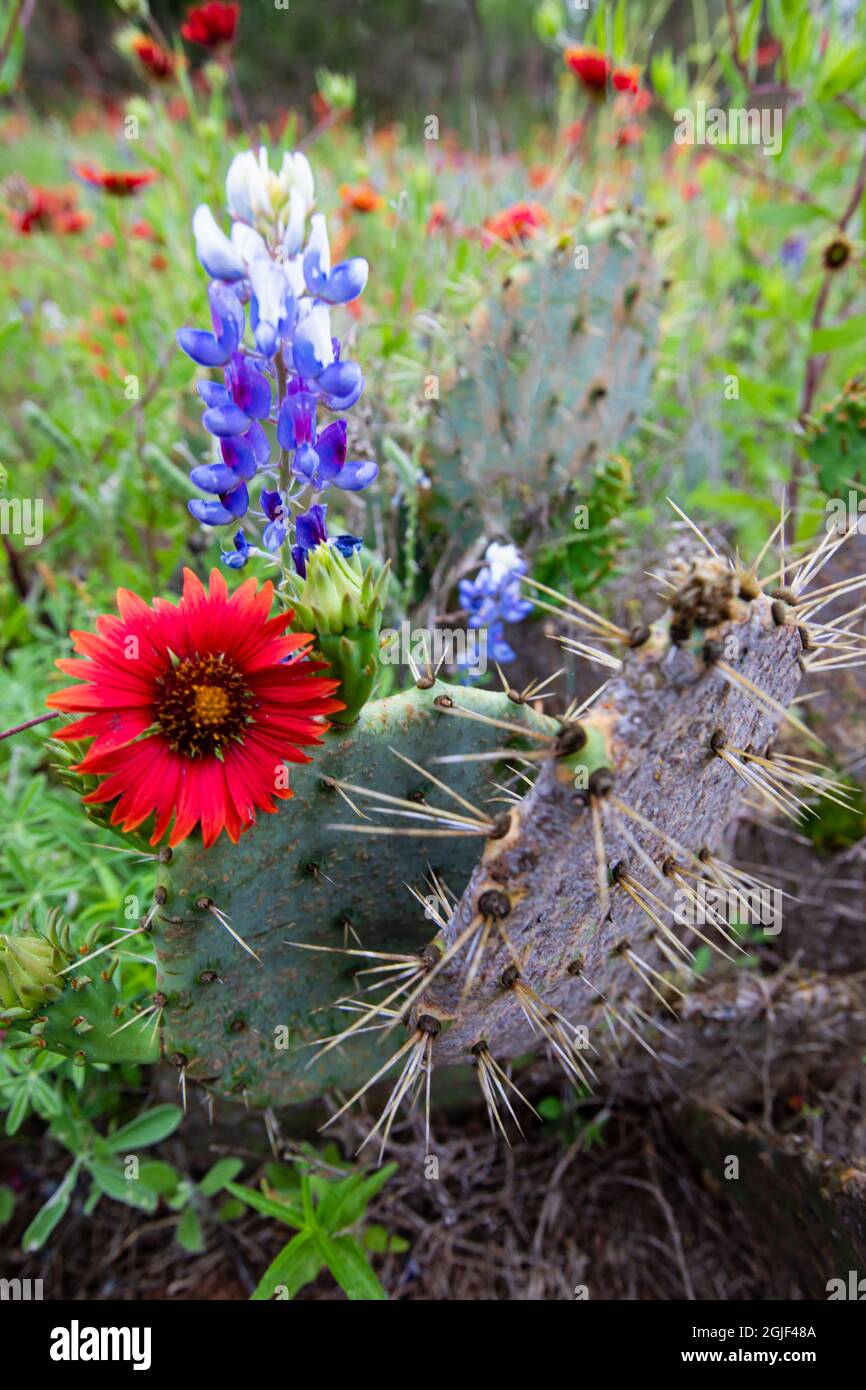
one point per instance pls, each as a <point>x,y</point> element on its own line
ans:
<point>291,878</point>
<point>78,1013</point>
<point>552,374</point>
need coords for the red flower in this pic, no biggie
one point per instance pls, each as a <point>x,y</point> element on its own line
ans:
<point>625,79</point>
<point>155,59</point>
<point>194,707</point>
<point>591,67</point>
<point>211,26</point>
<point>594,69</point>
<point>46,210</point>
<point>573,134</point>
<point>360,197</point>
<point>120,185</point>
<point>143,230</point>
<point>438,218</point>
<point>514,223</point>
<point>630,134</point>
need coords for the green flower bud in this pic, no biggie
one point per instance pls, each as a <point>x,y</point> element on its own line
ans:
<point>342,603</point>
<point>29,966</point>
<point>549,19</point>
<point>339,91</point>
<point>135,9</point>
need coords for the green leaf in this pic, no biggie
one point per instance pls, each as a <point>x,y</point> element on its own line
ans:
<point>18,1111</point>
<point>230,1209</point>
<point>148,1128</point>
<point>189,1232</point>
<point>221,1173</point>
<point>845,334</point>
<point>52,1213</point>
<point>161,1178</point>
<point>381,1241</point>
<point>7,1203</point>
<point>351,1268</point>
<point>283,1211</point>
<point>347,1200</point>
<point>130,1191</point>
<point>297,1264</point>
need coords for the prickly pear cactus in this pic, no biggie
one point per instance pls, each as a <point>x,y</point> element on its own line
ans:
<point>246,1024</point>
<point>551,375</point>
<point>555,865</point>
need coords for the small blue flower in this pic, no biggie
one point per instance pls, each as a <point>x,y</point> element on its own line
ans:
<point>310,531</point>
<point>237,558</point>
<point>274,509</point>
<point>494,596</point>
<point>792,254</point>
<point>347,545</point>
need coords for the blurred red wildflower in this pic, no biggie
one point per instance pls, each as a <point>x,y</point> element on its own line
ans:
<point>119,185</point>
<point>515,223</point>
<point>212,25</point>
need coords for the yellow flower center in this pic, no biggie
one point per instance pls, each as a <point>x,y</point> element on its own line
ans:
<point>211,704</point>
<point>203,705</point>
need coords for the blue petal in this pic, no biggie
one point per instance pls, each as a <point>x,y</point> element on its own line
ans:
<point>347,545</point>
<point>271,504</point>
<point>273,535</point>
<point>209,513</point>
<point>331,449</point>
<point>213,393</point>
<point>357,475</point>
<point>239,455</point>
<point>213,477</point>
<point>225,420</point>
<point>344,283</point>
<point>237,501</point>
<point>312,347</point>
<point>202,347</point>
<point>250,388</point>
<point>259,443</point>
<point>310,528</point>
<point>297,420</point>
<point>305,462</point>
<point>342,384</point>
<point>213,248</point>
<point>270,304</point>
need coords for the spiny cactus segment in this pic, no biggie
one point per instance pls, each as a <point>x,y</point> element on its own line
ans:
<point>54,997</point>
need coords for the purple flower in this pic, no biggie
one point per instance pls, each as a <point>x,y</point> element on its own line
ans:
<point>494,596</point>
<point>291,289</point>
<point>792,254</point>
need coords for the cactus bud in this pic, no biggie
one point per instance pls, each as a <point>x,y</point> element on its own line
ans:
<point>28,971</point>
<point>342,603</point>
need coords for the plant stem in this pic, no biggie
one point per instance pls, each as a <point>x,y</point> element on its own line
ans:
<point>19,728</point>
